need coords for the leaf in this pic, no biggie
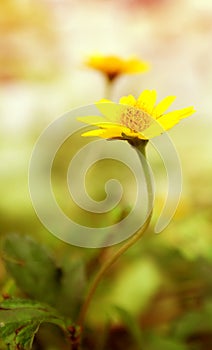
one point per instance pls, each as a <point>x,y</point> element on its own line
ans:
<point>154,342</point>
<point>131,324</point>
<point>72,288</point>
<point>34,271</point>
<point>158,342</point>
<point>195,322</point>
<point>20,319</point>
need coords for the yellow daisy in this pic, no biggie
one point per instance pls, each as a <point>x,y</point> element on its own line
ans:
<point>113,66</point>
<point>135,118</point>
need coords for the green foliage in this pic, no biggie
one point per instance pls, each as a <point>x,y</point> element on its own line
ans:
<point>72,286</point>
<point>20,319</point>
<point>33,269</point>
<point>195,322</point>
<point>163,342</point>
<point>132,326</point>
<point>37,275</point>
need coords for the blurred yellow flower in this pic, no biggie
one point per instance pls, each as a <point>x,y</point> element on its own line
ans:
<point>113,66</point>
<point>135,118</point>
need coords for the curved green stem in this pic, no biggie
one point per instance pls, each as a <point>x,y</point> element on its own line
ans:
<point>140,148</point>
<point>107,265</point>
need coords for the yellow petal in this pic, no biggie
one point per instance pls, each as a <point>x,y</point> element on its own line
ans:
<point>96,132</point>
<point>163,106</point>
<point>153,130</point>
<point>110,110</point>
<point>170,119</point>
<point>134,65</point>
<point>177,115</point>
<point>168,124</point>
<point>92,120</point>
<point>121,132</point>
<point>112,132</point>
<point>184,112</point>
<point>128,100</point>
<point>109,125</point>
<point>105,133</point>
<point>146,100</point>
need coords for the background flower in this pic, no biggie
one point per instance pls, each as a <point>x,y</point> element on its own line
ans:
<point>113,66</point>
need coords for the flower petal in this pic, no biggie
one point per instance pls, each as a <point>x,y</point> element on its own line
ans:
<point>109,125</point>
<point>153,130</point>
<point>134,65</point>
<point>163,106</point>
<point>92,133</point>
<point>146,100</point>
<point>109,133</point>
<point>173,117</point>
<point>92,120</point>
<point>110,110</point>
<point>170,119</point>
<point>128,100</point>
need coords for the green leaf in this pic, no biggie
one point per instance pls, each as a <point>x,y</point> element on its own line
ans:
<point>158,342</point>
<point>142,340</point>
<point>195,322</point>
<point>73,283</point>
<point>20,319</point>
<point>132,325</point>
<point>34,271</point>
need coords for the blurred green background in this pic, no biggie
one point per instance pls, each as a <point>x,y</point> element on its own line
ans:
<point>164,282</point>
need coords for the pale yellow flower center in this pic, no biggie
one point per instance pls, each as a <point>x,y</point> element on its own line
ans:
<point>135,119</point>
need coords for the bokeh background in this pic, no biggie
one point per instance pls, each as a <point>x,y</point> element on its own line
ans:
<point>164,282</point>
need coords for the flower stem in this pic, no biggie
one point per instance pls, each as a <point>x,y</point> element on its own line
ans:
<point>131,241</point>
<point>106,266</point>
<point>108,88</point>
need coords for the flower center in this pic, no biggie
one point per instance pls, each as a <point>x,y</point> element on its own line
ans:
<point>135,119</point>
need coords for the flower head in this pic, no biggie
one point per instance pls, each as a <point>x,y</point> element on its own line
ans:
<point>113,66</point>
<point>135,118</point>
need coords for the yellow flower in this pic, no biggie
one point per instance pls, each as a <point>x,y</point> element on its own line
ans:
<point>135,118</point>
<point>113,66</point>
